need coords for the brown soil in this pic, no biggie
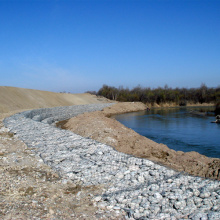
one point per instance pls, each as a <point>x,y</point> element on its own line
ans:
<point>18,99</point>
<point>98,126</point>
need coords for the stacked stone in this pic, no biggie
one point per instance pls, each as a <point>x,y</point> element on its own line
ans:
<point>143,189</point>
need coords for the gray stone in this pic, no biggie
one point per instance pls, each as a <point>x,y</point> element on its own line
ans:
<point>198,216</point>
<point>140,187</point>
<point>180,204</point>
<point>204,195</point>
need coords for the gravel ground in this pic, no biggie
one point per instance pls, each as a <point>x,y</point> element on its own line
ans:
<point>30,189</point>
<point>124,184</point>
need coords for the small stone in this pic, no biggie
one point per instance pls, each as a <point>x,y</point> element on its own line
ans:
<point>216,208</point>
<point>51,211</point>
<point>97,199</point>
<point>154,187</point>
<point>137,215</point>
<point>196,192</point>
<point>147,162</point>
<point>124,201</point>
<point>132,205</point>
<point>40,161</point>
<point>141,179</point>
<point>198,215</point>
<point>119,199</point>
<point>127,172</point>
<point>163,216</point>
<point>110,207</point>
<point>154,209</point>
<point>102,205</point>
<point>204,195</point>
<point>118,212</point>
<point>133,168</point>
<point>169,181</point>
<point>141,209</point>
<point>179,204</point>
<point>158,196</point>
<point>197,200</point>
<point>119,175</point>
<point>116,208</point>
<point>214,215</point>
<point>152,173</point>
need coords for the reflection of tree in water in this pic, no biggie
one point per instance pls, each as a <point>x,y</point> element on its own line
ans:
<point>217,109</point>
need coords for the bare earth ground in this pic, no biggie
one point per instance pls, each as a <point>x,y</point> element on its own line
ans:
<point>17,99</point>
<point>98,126</point>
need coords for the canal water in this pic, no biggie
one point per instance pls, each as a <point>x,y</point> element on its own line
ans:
<point>181,129</point>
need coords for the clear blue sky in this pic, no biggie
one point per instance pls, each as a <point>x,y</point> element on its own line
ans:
<point>76,46</point>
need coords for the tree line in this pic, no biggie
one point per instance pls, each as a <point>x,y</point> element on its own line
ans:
<point>179,96</point>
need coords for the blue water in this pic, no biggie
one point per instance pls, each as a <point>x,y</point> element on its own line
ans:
<point>177,128</point>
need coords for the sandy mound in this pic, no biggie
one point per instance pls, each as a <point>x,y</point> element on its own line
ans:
<point>98,126</point>
<point>15,99</point>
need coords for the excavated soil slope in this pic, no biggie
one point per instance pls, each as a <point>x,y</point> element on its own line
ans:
<point>18,99</point>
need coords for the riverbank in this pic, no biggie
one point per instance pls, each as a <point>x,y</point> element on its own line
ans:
<point>172,104</point>
<point>98,126</point>
<point>131,186</point>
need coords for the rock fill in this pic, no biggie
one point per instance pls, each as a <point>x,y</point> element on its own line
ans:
<point>141,188</point>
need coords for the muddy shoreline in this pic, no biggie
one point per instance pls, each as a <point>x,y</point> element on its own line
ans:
<point>100,127</point>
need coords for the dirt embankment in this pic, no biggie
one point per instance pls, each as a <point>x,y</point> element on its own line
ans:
<point>98,126</point>
<point>19,99</point>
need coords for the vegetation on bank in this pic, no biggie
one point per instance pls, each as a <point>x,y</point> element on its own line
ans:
<point>178,96</point>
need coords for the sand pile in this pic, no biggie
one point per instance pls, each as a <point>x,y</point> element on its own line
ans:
<point>18,99</point>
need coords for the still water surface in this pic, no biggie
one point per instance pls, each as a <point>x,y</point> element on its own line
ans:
<point>177,128</point>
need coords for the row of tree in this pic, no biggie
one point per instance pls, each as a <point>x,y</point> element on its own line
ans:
<point>179,96</point>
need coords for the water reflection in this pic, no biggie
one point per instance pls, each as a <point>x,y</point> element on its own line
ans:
<point>177,128</point>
